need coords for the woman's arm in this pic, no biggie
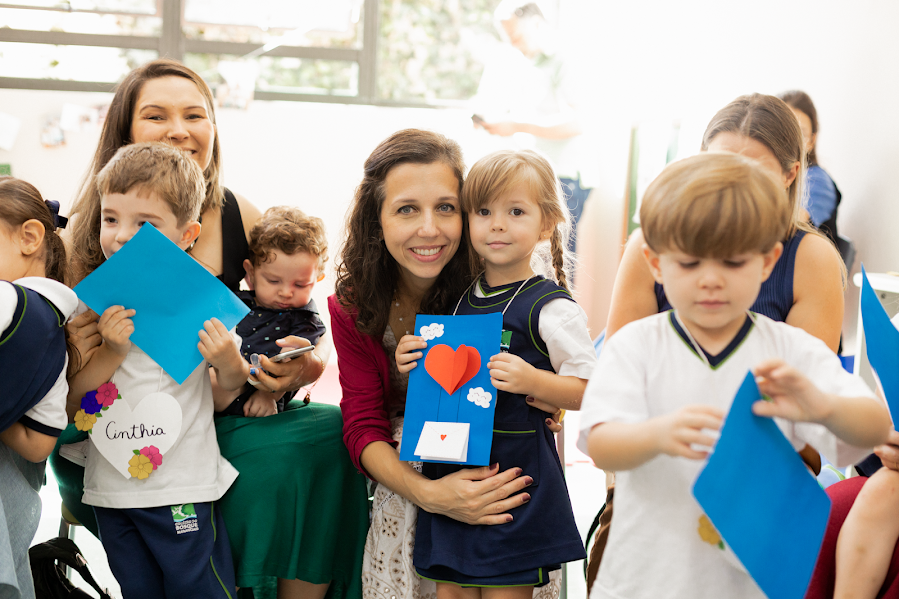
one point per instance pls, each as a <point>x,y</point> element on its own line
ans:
<point>818,290</point>
<point>633,296</point>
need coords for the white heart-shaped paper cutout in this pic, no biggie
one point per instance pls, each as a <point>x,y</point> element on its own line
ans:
<point>121,431</point>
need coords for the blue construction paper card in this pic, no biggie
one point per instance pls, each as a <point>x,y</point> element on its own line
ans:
<point>882,344</point>
<point>431,396</point>
<point>773,521</point>
<point>172,294</point>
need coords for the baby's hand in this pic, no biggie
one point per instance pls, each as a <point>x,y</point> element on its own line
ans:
<point>218,347</point>
<point>115,326</point>
<point>260,404</point>
<point>510,373</point>
<point>793,395</point>
<point>679,431</point>
<point>407,351</point>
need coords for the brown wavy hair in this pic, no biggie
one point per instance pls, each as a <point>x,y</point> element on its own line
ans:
<point>367,275</point>
<point>85,246</point>
<point>20,201</point>
<point>289,230</point>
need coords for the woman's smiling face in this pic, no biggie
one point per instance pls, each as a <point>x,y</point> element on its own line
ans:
<point>421,219</point>
<point>173,110</point>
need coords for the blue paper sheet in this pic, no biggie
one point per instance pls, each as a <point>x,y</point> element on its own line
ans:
<point>172,294</point>
<point>764,502</point>
<point>426,400</point>
<point>882,345</point>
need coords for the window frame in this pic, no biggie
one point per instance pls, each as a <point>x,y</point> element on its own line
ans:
<point>173,44</point>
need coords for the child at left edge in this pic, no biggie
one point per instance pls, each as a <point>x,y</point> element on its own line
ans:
<point>712,226</point>
<point>518,223</point>
<point>149,556</point>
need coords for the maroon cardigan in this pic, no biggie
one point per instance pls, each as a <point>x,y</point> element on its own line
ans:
<point>365,380</point>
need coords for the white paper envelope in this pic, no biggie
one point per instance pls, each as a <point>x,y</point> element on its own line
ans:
<point>444,441</point>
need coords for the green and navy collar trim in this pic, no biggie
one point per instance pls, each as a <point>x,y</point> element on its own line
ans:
<point>727,352</point>
<point>501,293</point>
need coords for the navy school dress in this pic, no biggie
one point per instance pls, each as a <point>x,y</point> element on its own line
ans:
<point>261,328</point>
<point>543,534</point>
<point>775,298</point>
<point>32,354</point>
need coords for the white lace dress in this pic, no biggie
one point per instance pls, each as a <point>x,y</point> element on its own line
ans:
<point>387,570</point>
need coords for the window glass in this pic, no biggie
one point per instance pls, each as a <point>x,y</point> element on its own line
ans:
<point>80,22</point>
<point>335,23</point>
<point>142,7</point>
<point>432,49</point>
<point>280,74</point>
<point>72,63</point>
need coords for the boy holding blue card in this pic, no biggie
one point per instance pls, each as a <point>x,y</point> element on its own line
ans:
<point>713,225</point>
<point>153,468</point>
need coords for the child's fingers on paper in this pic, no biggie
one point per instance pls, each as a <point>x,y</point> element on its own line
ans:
<point>83,319</point>
<point>404,368</point>
<point>685,451</point>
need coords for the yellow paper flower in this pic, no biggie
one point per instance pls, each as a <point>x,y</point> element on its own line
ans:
<point>140,467</point>
<point>708,533</point>
<point>84,421</point>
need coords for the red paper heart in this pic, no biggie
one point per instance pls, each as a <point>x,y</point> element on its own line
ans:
<point>452,369</point>
<point>442,437</point>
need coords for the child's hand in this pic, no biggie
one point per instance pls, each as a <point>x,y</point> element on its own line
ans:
<point>218,347</point>
<point>260,404</point>
<point>677,432</point>
<point>115,326</point>
<point>407,351</point>
<point>510,373</point>
<point>793,395</point>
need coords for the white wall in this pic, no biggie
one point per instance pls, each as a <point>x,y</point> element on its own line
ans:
<point>647,60</point>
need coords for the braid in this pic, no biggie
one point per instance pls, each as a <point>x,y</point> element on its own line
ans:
<point>557,248</point>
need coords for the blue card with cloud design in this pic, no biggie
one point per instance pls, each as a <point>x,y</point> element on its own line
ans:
<point>451,384</point>
<point>764,502</point>
<point>172,294</point>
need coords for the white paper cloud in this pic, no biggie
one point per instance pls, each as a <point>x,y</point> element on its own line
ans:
<point>431,331</point>
<point>479,397</point>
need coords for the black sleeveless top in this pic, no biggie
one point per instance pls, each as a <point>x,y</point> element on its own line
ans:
<point>235,248</point>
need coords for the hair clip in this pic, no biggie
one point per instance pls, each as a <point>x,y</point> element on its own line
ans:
<point>59,221</point>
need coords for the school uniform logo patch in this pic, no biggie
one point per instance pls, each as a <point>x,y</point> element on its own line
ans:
<point>185,518</point>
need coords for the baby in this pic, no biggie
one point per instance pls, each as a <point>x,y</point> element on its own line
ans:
<point>288,251</point>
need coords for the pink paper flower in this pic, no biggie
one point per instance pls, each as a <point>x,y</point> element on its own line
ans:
<point>152,453</point>
<point>106,394</point>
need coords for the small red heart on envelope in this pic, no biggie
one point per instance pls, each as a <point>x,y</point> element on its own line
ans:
<point>452,369</point>
<point>442,437</point>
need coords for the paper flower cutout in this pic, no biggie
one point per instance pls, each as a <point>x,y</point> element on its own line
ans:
<point>708,533</point>
<point>140,466</point>
<point>479,397</point>
<point>106,394</point>
<point>152,452</point>
<point>84,421</point>
<point>89,403</point>
<point>431,331</point>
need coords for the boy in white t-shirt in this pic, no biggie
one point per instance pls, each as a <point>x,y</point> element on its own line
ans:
<point>162,532</point>
<point>662,386</point>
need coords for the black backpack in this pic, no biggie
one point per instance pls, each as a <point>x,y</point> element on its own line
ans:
<point>48,568</point>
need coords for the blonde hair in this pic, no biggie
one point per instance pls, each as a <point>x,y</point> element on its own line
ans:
<point>158,168</point>
<point>85,228</point>
<point>714,206</point>
<point>497,173</point>
<point>288,230</point>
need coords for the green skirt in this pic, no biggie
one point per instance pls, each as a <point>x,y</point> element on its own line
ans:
<point>298,509</point>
